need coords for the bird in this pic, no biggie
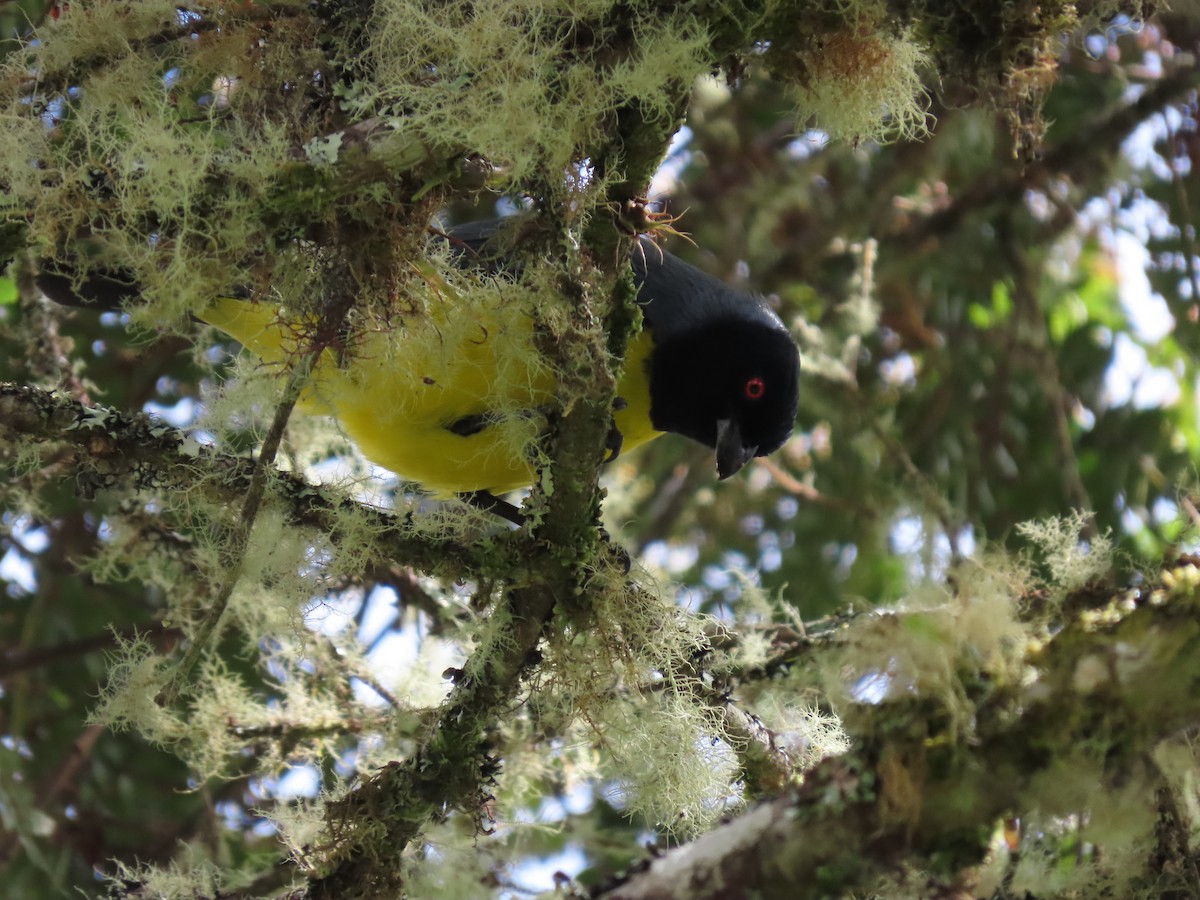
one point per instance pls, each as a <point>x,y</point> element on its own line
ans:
<point>452,399</point>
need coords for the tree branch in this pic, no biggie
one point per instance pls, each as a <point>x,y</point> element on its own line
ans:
<point>111,449</point>
<point>915,791</point>
<point>1076,152</point>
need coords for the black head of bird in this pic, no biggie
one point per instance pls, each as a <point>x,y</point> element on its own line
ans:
<point>724,371</point>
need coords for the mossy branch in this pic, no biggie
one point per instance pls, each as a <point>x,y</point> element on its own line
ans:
<point>1086,149</point>
<point>371,826</point>
<point>562,544</point>
<point>264,463</point>
<point>151,29</point>
<point>114,450</point>
<point>298,202</point>
<point>914,792</point>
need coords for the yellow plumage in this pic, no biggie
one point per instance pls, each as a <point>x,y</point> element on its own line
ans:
<point>399,393</point>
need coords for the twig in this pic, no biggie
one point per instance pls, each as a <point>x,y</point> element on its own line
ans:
<point>926,490</point>
<point>1187,227</point>
<point>795,486</point>
<point>68,771</point>
<point>22,659</point>
<point>1025,297</point>
<point>910,789</point>
<point>111,449</point>
<point>297,379</point>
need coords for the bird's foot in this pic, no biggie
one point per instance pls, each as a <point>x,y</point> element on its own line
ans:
<point>614,439</point>
<point>489,502</point>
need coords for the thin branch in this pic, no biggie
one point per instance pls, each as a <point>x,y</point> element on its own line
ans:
<point>1187,228</point>
<point>1076,152</point>
<point>67,772</point>
<point>948,518</point>
<point>1025,297</point>
<point>798,488</point>
<point>110,449</point>
<point>22,659</point>
<point>297,379</point>
<point>915,792</point>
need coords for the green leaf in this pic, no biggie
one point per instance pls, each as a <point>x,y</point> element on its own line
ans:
<point>8,291</point>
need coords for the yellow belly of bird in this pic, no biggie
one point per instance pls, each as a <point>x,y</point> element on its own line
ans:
<point>399,393</point>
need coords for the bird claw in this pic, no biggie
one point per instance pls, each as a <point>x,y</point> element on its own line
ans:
<point>490,503</point>
<point>613,443</point>
<point>614,439</point>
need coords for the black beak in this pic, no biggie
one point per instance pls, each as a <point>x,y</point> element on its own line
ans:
<point>731,455</point>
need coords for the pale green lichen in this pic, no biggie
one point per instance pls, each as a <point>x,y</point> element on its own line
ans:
<point>860,82</point>
<point>136,676</point>
<point>514,82</point>
<point>806,733</point>
<point>450,863</point>
<point>939,642</point>
<point>530,84</point>
<point>276,576</point>
<point>672,768</point>
<point>868,87</point>
<point>190,875</point>
<point>1071,561</point>
<point>624,686</point>
<point>163,558</point>
<point>301,826</point>
<point>132,157</point>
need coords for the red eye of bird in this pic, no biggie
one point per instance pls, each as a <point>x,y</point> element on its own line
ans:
<point>755,388</point>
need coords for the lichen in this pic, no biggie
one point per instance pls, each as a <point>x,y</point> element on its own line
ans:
<point>531,85</point>
<point>854,70</point>
<point>136,676</point>
<point>1070,560</point>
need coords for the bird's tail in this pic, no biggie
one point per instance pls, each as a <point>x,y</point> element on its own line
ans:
<point>103,292</point>
<point>258,326</point>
